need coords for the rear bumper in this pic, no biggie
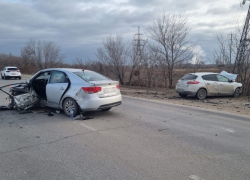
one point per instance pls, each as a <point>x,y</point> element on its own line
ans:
<point>12,76</point>
<point>186,92</point>
<point>106,106</point>
<point>96,103</point>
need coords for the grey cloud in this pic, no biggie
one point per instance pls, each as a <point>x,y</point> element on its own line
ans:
<point>80,26</point>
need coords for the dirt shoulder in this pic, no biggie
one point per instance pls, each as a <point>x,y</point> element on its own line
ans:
<point>239,105</point>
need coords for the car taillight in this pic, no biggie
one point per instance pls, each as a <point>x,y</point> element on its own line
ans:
<point>91,90</point>
<point>18,71</point>
<point>193,82</point>
<point>118,86</point>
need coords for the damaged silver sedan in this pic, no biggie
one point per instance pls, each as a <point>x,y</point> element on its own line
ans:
<point>72,90</point>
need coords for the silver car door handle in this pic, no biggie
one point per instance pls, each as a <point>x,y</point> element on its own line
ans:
<point>62,88</point>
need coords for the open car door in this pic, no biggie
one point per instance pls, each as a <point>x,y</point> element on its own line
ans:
<point>56,88</point>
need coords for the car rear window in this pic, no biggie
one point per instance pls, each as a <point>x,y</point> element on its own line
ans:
<point>90,76</point>
<point>12,69</point>
<point>189,77</point>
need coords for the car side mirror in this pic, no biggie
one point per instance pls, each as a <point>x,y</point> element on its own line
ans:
<point>230,80</point>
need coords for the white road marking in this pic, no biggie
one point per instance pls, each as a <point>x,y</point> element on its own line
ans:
<point>88,127</point>
<point>229,130</point>
<point>194,177</point>
<point>225,129</point>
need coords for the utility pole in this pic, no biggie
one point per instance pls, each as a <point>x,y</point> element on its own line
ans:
<point>230,47</point>
<point>139,43</point>
<point>242,52</point>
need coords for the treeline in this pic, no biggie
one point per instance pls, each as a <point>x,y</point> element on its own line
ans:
<point>157,62</point>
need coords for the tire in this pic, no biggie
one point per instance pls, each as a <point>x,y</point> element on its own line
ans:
<point>4,77</point>
<point>182,95</point>
<point>236,93</point>
<point>107,109</point>
<point>20,78</point>
<point>201,94</point>
<point>1,76</point>
<point>69,103</point>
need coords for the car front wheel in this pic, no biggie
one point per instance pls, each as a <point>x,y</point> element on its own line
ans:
<point>69,104</point>
<point>237,92</point>
<point>201,94</point>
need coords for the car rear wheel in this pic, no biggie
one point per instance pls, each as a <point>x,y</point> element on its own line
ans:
<point>201,94</point>
<point>237,92</point>
<point>4,77</point>
<point>69,104</point>
<point>1,76</point>
<point>182,95</point>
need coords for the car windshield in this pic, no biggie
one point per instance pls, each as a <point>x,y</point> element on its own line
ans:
<point>189,77</point>
<point>90,76</point>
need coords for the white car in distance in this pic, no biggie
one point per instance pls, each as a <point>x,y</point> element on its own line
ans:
<point>11,72</point>
<point>203,84</point>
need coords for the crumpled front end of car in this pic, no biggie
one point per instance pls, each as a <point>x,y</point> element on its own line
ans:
<point>26,101</point>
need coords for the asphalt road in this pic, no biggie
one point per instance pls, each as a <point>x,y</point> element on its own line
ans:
<point>140,139</point>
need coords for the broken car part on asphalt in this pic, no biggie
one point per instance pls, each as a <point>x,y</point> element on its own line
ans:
<point>19,96</point>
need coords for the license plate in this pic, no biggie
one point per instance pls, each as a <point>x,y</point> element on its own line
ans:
<point>109,90</point>
<point>13,73</point>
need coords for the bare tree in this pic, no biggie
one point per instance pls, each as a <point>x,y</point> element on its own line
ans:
<point>149,66</point>
<point>80,63</point>
<point>113,56</point>
<point>10,60</point>
<point>197,60</point>
<point>225,55</point>
<point>134,59</point>
<point>225,58</point>
<point>44,54</point>
<point>170,36</point>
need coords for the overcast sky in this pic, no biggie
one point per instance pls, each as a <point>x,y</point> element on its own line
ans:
<point>78,27</point>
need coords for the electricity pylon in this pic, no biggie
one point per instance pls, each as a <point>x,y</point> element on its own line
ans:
<point>139,43</point>
<point>243,49</point>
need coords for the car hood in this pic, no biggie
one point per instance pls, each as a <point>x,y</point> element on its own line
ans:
<point>236,84</point>
<point>229,75</point>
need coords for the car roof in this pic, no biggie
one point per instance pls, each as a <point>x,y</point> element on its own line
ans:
<point>203,73</point>
<point>65,69</point>
<point>10,67</point>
